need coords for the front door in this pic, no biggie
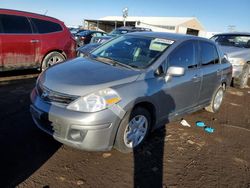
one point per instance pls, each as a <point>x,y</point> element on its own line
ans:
<point>184,91</point>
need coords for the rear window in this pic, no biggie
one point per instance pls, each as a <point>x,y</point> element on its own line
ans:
<point>15,24</point>
<point>44,26</point>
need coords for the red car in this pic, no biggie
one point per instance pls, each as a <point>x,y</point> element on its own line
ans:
<point>29,40</point>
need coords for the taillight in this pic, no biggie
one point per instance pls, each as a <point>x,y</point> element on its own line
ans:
<point>82,38</point>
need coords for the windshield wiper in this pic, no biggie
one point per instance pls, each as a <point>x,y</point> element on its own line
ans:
<point>113,62</point>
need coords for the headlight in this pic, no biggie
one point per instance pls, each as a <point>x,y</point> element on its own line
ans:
<point>96,101</point>
<point>236,61</point>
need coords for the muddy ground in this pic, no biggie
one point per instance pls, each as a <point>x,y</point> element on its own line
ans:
<point>176,156</point>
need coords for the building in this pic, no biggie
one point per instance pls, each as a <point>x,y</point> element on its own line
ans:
<point>184,25</point>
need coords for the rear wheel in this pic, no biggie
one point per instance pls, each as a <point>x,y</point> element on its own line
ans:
<point>133,130</point>
<point>52,59</point>
<point>241,82</point>
<point>216,101</point>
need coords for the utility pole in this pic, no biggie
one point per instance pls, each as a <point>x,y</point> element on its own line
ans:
<point>125,15</point>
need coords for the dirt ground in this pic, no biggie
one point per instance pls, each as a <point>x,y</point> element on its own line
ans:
<point>174,156</point>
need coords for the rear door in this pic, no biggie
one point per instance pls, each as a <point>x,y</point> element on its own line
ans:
<point>49,37</point>
<point>211,70</point>
<point>18,45</point>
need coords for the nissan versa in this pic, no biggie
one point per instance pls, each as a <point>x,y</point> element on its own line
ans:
<point>128,87</point>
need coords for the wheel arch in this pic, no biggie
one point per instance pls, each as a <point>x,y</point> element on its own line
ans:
<point>50,51</point>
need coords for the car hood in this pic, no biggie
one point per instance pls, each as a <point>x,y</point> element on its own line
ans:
<point>236,52</point>
<point>82,76</point>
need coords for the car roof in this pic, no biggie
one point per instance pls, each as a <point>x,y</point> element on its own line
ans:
<point>233,33</point>
<point>28,14</point>
<point>164,35</point>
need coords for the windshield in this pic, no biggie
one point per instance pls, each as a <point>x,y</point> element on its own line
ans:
<point>241,41</point>
<point>135,51</point>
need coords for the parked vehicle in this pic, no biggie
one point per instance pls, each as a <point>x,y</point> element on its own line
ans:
<point>127,87</point>
<point>29,40</point>
<point>237,48</point>
<point>94,43</point>
<point>97,41</point>
<point>74,31</point>
<point>84,37</point>
<point>86,49</point>
<point>117,32</point>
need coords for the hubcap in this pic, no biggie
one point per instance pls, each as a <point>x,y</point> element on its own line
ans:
<point>218,99</point>
<point>136,131</point>
<point>54,60</point>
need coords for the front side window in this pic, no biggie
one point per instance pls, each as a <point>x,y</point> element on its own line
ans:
<point>15,24</point>
<point>183,56</point>
<point>136,51</point>
<point>44,26</point>
<point>209,54</point>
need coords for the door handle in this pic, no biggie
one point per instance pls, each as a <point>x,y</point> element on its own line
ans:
<point>34,41</point>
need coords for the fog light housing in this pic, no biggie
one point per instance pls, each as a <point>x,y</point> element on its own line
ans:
<point>76,135</point>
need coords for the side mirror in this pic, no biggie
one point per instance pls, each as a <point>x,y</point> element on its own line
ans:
<point>174,72</point>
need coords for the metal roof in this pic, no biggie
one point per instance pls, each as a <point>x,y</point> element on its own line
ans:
<point>155,21</point>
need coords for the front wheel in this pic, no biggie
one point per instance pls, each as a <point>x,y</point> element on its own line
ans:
<point>241,82</point>
<point>216,101</point>
<point>133,130</point>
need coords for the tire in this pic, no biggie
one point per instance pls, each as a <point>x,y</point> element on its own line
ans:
<point>51,59</point>
<point>129,128</point>
<point>216,100</point>
<point>241,82</point>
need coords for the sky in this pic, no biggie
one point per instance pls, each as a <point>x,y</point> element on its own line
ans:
<point>214,15</point>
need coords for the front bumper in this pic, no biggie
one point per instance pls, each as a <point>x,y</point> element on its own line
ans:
<point>87,131</point>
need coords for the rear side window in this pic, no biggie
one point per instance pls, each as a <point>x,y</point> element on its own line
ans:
<point>44,26</point>
<point>183,56</point>
<point>15,24</point>
<point>209,54</point>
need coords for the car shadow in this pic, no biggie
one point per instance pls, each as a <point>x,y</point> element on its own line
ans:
<point>24,148</point>
<point>149,158</point>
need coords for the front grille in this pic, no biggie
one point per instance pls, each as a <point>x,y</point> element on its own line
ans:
<point>54,97</point>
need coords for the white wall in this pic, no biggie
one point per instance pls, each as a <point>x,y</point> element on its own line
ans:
<point>182,30</point>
